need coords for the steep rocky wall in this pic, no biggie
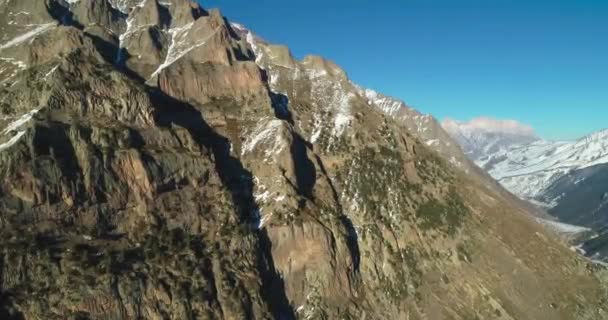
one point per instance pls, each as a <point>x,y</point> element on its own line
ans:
<point>155,165</point>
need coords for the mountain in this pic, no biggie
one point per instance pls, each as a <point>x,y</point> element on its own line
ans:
<point>580,197</point>
<point>530,169</point>
<point>161,162</point>
<point>549,173</point>
<point>481,137</point>
<point>566,178</point>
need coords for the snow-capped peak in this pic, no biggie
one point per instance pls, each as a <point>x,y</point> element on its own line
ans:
<point>490,125</point>
<point>521,162</point>
<point>482,136</point>
<point>601,135</point>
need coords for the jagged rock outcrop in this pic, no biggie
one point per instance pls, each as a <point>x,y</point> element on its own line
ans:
<point>158,162</point>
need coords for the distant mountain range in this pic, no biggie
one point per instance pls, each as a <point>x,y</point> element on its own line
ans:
<point>569,179</point>
<point>484,137</point>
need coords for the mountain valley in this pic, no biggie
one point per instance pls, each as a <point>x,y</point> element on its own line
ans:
<point>565,178</point>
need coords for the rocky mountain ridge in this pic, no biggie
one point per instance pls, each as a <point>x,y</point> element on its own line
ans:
<point>159,162</point>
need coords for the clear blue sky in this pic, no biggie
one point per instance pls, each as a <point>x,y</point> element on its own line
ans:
<point>542,62</point>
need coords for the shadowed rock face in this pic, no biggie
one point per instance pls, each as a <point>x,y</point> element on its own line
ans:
<point>158,162</point>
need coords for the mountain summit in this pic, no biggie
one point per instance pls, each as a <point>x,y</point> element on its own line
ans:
<point>161,162</point>
<point>482,136</point>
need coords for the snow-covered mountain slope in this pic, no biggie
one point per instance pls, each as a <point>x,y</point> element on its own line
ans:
<point>483,136</point>
<point>529,169</point>
<point>519,160</point>
<point>581,197</point>
<point>568,179</point>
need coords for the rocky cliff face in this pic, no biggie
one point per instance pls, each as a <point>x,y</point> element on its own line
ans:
<point>159,162</point>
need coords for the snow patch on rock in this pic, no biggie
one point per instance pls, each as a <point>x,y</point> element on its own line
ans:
<point>30,35</point>
<point>267,133</point>
<point>180,45</point>
<point>12,140</point>
<point>48,74</point>
<point>19,121</point>
<point>14,126</point>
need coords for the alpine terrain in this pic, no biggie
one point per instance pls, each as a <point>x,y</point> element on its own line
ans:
<point>567,178</point>
<point>161,162</point>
